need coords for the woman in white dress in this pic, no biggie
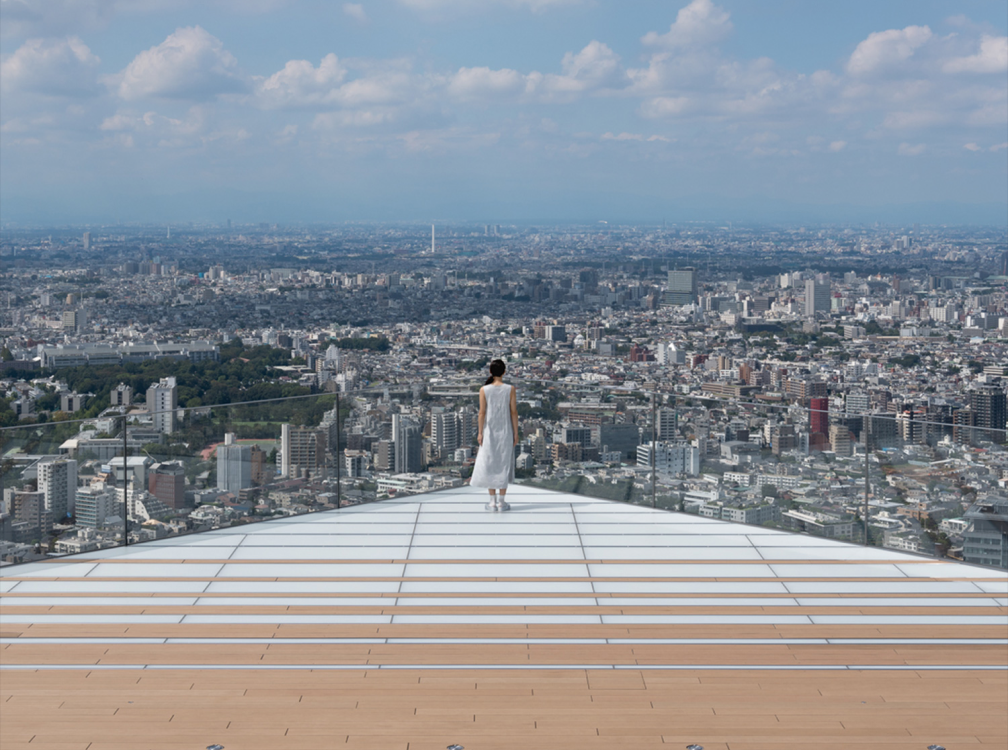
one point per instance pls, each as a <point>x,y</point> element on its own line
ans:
<point>497,437</point>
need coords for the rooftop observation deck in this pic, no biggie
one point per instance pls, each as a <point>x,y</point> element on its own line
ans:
<point>566,623</point>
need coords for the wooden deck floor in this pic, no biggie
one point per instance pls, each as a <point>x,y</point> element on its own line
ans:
<point>173,650</point>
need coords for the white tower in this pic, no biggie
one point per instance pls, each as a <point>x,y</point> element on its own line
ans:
<point>432,239</point>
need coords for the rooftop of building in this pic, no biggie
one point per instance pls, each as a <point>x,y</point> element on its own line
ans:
<point>567,622</point>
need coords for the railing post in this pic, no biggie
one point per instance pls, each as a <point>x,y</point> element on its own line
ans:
<point>125,482</point>
<point>339,459</point>
<point>867,441</point>
<point>654,447</point>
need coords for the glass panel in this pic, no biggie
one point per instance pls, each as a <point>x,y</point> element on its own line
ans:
<point>732,471</point>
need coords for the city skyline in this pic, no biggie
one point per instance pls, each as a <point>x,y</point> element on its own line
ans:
<point>508,111</point>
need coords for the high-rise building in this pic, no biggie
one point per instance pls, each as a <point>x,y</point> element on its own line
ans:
<point>57,481</point>
<point>817,298</point>
<point>234,465</point>
<point>408,445</point>
<point>87,240</point>
<point>302,451</point>
<point>445,431</point>
<point>988,404</point>
<point>166,482</point>
<point>260,473</point>
<point>384,455</point>
<point>162,401</point>
<point>667,427</point>
<point>682,287</point>
<point>839,438</point>
<point>95,503</point>
<point>819,416</point>
<point>30,507</point>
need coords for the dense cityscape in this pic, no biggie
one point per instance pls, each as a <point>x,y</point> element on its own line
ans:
<point>795,377</point>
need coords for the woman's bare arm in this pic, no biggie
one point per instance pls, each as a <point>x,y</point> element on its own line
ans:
<point>482,416</point>
<point>514,415</point>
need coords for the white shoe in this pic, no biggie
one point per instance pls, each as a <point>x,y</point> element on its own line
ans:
<point>490,506</point>
<point>503,506</point>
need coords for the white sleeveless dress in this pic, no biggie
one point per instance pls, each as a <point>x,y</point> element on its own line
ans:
<point>495,461</point>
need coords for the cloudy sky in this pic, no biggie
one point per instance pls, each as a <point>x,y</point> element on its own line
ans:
<point>503,110</point>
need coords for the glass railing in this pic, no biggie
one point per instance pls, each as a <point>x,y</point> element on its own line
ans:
<point>128,475</point>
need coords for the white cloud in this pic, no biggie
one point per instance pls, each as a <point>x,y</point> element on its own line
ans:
<point>640,138</point>
<point>594,67</point>
<point>885,48</point>
<point>484,82</point>
<point>836,146</point>
<point>356,12</point>
<point>54,67</point>
<point>190,64</point>
<point>972,147</point>
<point>699,23</point>
<point>666,106</point>
<point>907,149</point>
<point>300,84</point>
<point>536,6</point>
<point>999,146</point>
<point>991,58</point>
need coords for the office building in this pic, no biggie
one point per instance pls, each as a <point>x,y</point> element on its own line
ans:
<point>619,438</point>
<point>570,434</point>
<point>57,481</point>
<point>74,320</point>
<point>670,458</point>
<point>987,402</point>
<point>134,473</point>
<point>682,287</point>
<point>818,423</point>
<point>30,508</point>
<point>234,465</point>
<point>355,464</point>
<point>445,431</point>
<point>261,471</point>
<point>121,395</point>
<point>817,298</point>
<point>985,542</point>
<point>407,439</point>
<point>95,503</point>
<point>556,333</point>
<point>73,402</point>
<point>166,482</point>
<point>302,451</point>
<point>670,354</point>
<point>856,404</point>
<point>666,426</point>
<point>384,455</point>
<point>162,401</point>
<point>839,438</point>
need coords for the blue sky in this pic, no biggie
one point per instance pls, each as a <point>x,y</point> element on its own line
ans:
<point>503,110</point>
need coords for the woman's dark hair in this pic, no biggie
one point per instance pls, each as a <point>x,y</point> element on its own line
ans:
<point>497,369</point>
